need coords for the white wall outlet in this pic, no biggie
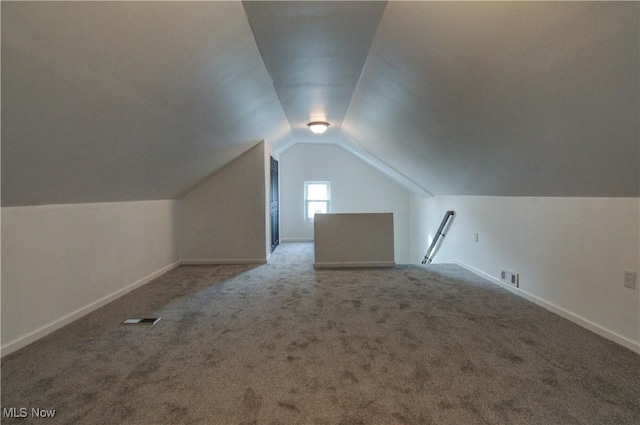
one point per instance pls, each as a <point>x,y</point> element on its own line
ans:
<point>475,237</point>
<point>510,277</point>
<point>630,280</point>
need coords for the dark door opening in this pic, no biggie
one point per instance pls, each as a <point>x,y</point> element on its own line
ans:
<point>273,202</point>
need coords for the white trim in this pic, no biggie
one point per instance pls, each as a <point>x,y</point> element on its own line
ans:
<point>84,204</point>
<point>294,240</point>
<point>342,265</point>
<point>204,262</point>
<point>569,315</point>
<point>41,332</point>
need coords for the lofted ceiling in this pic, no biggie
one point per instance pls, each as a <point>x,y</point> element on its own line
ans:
<point>120,101</point>
<point>315,52</point>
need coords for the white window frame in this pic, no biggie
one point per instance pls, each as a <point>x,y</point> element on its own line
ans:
<point>307,200</point>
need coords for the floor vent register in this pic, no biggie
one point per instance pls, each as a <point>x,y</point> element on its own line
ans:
<point>145,321</point>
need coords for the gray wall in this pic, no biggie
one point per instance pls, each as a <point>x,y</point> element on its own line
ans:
<point>353,240</point>
<point>223,219</point>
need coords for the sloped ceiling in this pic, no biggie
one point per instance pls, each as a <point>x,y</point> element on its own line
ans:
<point>314,52</point>
<point>515,98</point>
<point>121,101</point>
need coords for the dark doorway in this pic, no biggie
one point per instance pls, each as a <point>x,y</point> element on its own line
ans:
<point>273,202</point>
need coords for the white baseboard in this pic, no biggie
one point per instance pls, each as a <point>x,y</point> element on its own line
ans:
<point>205,262</point>
<point>569,315</point>
<point>345,265</point>
<point>33,336</point>
<point>285,240</point>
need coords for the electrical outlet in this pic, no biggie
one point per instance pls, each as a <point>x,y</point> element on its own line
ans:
<point>475,237</point>
<point>630,280</point>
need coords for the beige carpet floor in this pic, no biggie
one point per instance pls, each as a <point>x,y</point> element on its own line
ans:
<point>285,344</point>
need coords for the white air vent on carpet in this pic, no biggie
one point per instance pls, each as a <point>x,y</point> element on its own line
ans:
<point>145,321</point>
<point>510,277</point>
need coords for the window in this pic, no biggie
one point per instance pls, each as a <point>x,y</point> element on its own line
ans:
<point>317,196</point>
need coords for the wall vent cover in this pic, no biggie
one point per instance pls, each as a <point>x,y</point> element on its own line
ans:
<point>510,277</point>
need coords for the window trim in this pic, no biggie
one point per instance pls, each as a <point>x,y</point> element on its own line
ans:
<point>307,200</point>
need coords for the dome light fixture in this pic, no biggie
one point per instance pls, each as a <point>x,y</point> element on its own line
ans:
<point>318,127</point>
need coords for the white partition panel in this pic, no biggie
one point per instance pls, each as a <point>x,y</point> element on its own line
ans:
<point>354,240</point>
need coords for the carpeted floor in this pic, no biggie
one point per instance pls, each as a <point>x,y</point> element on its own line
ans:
<point>284,344</point>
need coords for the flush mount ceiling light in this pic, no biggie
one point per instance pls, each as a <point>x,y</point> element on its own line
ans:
<point>318,127</point>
